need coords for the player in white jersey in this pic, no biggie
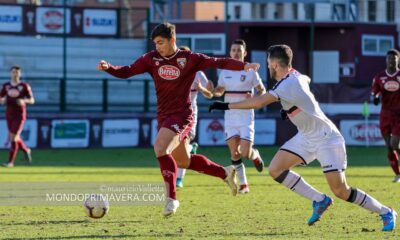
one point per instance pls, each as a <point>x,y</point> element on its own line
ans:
<point>317,138</point>
<point>203,85</point>
<point>239,124</point>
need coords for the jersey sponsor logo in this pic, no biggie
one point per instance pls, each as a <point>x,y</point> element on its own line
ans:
<point>360,132</point>
<point>181,62</point>
<point>242,78</point>
<point>391,86</point>
<point>169,72</point>
<point>12,92</point>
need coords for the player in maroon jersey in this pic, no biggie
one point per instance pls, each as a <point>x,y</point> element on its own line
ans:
<point>173,71</point>
<point>16,94</point>
<point>386,88</point>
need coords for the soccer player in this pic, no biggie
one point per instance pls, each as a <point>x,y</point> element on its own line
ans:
<point>16,94</point>
<point>203,85</point>
<point>239,124</point>
<point>173,72</point>
<point>317,138</point>
<point>386,86</point>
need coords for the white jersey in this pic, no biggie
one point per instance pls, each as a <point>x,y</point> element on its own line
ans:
<point>294,91</point>
<point>200,77</point>
<point>237,85</point>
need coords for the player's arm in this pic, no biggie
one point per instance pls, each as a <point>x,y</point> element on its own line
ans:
<point>3,100</point>
<point>375,92</point>
<point>3,96</point>
<point>249,103</point>
<point>219,91</point>
<point>206,91</point>
<point>124,72</point>
<point>260,89</point>
<point>224,63</point>
<point>29,99</point>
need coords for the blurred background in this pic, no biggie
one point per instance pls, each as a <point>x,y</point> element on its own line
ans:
<point>340,44</point>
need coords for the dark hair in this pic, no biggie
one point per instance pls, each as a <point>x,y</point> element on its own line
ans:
<point>184,48</point>
<point>394,52</point>
<point>240,42</point>
<point>282,53</point>
<point>165,30</point>
<point>16,67</point>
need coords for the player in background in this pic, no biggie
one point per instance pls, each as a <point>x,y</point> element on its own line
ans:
<point>386,86</point>
<point>317,138</point>
<point>173,72</point>
<point>16,94</point>
<point>203,85</point>
<point>239,124</point>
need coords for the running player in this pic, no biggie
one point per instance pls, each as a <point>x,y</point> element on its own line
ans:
<point>317,138</point>
<point>239,124</point>
<point>16,94</point>
<point>203,85</point>
<point>173,72</point>
<point>386,86</point>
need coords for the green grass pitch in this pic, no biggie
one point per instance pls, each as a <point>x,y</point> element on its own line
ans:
<point>207,211</point>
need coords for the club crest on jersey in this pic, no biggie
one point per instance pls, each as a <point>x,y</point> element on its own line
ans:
<point>20,88</point>
<point>391,86</point>
<point>398,79</point>
<point>242,78</point>
<point>169,72</point>
<point>181,62</point>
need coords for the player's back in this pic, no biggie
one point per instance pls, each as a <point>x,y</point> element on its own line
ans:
<point>296,97</point>
<point>388,85</point>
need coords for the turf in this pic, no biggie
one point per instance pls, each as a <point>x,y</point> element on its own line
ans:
<point>207,210</point>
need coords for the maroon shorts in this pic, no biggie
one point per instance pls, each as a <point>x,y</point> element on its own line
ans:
<point>389,122</point>
<point>178,123</point>
<point>15,125</point>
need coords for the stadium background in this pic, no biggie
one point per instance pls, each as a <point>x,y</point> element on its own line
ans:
<point>340,44</point>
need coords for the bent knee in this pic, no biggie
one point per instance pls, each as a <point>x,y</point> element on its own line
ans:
<point>275,171</point>
<point>159,150</point>
<point>341,192</point>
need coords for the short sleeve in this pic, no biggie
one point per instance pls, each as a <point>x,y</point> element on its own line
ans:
<point>3,91</point>
<point>256,80</point>
<point>376,87</point>
<point>202,78</point>
<point>286,89</point>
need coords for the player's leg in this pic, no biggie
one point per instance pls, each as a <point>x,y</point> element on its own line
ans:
<point>394,144</point>
<point>293,153</point>
<point>166,141</point>
<point>15,129</point>
<point>386,125</point>
<point>246,147</point>
<point>193,150</point>
<point>202,164</point>
<point>27,151</point>
<point>233,145</point>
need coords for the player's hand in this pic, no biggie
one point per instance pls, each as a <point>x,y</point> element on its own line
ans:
<point>284,115</point>
<point>375,99</point>
<point>254,66</point>
<point>20,102</point>
<point>218,105</point>
<point>2,101</point>
<point>103,65</point>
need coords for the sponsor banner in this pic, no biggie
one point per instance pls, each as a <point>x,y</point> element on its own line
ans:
<point>70,133</point>
<point>100,22</point>
<point>51,20</point>
<point>10,19</point>
<point>265,131</point>
<point>211,132</point>
<point>356,132</point>
<point>120,133</point>
<point>28,134</point>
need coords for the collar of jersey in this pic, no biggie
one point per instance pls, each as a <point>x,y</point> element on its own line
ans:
<point>391,75</point>
<point>173,55</point>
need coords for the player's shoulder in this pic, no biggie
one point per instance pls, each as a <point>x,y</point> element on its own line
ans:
<point>25,84</point>
<point>381,74</point>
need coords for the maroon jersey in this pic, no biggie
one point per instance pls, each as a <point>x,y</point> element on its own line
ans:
<point>387,85</point>
<point>173,76</point>
<point>12,93</point>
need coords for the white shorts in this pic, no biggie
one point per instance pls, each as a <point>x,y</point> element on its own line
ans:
<point>243,132</point>
<point>192,133</point>
<point>330,152</point>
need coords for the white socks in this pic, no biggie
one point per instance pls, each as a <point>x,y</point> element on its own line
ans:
<point>240,171</point>
<point>359,197</point>
<point>296,183</point>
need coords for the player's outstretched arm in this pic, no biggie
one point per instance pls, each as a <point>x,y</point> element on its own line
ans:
<point>249,103</point>
<point>102,65</point>
<point>124,72</point>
